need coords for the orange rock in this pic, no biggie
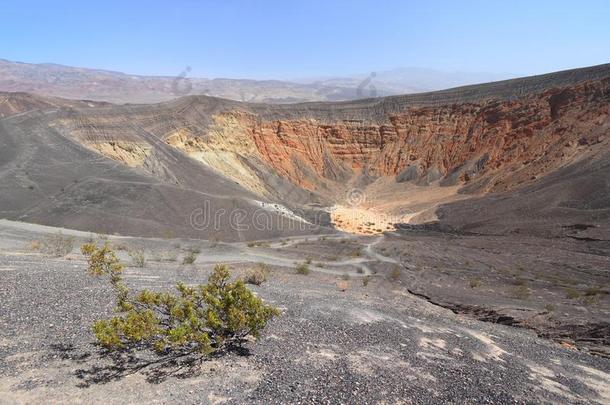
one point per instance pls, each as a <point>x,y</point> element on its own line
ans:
<point>530,131</point>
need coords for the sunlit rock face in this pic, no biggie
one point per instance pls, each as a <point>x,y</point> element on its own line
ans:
<point>405,154</point>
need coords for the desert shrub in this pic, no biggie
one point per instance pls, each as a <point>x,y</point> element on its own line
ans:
<point>258,244</point>
<point>58,244</point>
<point>475,283</point>
<point>550,307</point>
<point>395,274</point>
<point>167,257</point>
<point>520,281</point>
<point>303,269</point>
<point>590,291</point>
<point>138,257</point>
<point>258,275</point>
<point>590,299</point>
<point>189,258</point>
<point>204,319</point>
<point>365,281</point>
<point>345,276</point>
<point>572,293</point>
<point>521,292</point>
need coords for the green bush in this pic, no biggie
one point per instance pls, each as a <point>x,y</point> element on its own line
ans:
<point>204,319</point>
<point>475,283</point>
<point>590,299</point>
<point>521,292</point>
<point>189,258</point>
<point>258,244</point>
<point>257,275</point>
<point>138,257</point>
<point>303,269</point>
<point>365,281</point>
<point>572,293</point>
<point>590,291</point>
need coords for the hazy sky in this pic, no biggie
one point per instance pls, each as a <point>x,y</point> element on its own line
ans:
<point>289,39</point>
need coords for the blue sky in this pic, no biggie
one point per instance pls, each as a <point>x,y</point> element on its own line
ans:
<point>289,39</point>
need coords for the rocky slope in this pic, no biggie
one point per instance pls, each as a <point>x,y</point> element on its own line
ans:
<point>446,145</point>
<point>456,142</point>
<point>48,178</point>
<point>17,103</point>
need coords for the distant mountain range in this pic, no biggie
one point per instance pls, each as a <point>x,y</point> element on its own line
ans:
<point>406,81</point>
<point>116,87</point>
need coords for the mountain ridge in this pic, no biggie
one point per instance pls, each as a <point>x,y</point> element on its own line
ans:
<point>51,79</point>
<point>407,153</point>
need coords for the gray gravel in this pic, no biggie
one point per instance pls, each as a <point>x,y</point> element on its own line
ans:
<point>373,344</point>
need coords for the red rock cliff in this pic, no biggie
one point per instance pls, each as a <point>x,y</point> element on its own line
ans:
<point>531,136</point>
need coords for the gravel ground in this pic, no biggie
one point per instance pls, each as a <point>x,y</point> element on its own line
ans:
<point>337,341</point>
<point>559,287</point>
